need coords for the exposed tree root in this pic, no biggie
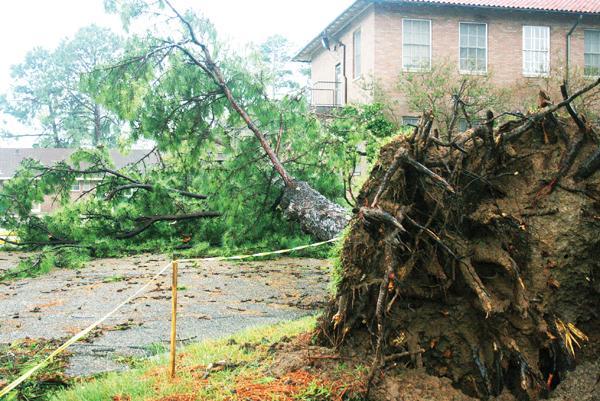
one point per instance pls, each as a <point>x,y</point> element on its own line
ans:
<point>455,264</point>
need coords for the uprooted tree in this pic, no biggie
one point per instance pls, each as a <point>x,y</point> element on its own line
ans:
<point>476,257</point>
<point>194,105</point>
<point>316,214</point>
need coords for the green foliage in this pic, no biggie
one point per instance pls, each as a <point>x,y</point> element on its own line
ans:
<point>113,279</point>
<point>205,148</point>
<point>359,132</point>
<point>46,92</point>
<point>47,259</point>
<point>336,273</point>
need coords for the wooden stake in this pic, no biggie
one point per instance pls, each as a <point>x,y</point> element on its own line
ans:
<point>173,318</point>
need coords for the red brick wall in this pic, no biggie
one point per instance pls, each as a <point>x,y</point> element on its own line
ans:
<point>505,38</point>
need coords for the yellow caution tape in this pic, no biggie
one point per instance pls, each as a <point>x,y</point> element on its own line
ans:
<point>256,255</point>
<point>87,330</point>
<point>79,336</point>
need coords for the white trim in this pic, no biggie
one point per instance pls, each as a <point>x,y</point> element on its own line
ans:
<point>36,208</point>
<point>405,118</point>
<point>338,92</point>
<point>354,32</point>
<point>487,49</point>
<point>353,19</point>
<point>548,58</point>
<point>584,53</point>
<point>410,69</point>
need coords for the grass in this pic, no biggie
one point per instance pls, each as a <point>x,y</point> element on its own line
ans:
<point>245,356</point>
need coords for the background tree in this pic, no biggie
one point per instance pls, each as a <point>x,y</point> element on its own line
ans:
<point>276,55</point>
<point>454,100</point>
<point>46,94</point>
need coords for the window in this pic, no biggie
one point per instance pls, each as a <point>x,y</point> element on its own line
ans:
<point>592,53</point>
<point>464,125</point>
<point>536,50</point>
<point>36,208</point>
<point>357,49</point>
<point>339,89</point>
<point>87,185</point>
<point>75,186</point>
<point>473,47</point>
<point>410,121</point>
<point>416,44</point>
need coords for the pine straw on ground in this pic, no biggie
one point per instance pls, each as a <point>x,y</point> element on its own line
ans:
<point>297,383</point>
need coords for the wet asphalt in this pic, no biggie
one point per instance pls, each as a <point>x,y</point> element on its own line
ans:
<point>216,299</point>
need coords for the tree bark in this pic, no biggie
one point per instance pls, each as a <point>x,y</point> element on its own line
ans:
<point>316,214</point>
<point>97,139</point>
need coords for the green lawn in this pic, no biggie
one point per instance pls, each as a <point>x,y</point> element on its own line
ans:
<point>246,355</point>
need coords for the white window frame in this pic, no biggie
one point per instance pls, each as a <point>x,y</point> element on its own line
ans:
<point>487,48</point>
<point>78,186</point>
<point>338,86</point>
<point>357,72</point>
<point>87,185</point>
<point>536,74</point>
<point>409,121</point>
<point>413,69</point>
<point>36,208</point>
<point>584,53</point>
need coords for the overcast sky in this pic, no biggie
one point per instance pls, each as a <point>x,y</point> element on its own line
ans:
<point>25,24</point>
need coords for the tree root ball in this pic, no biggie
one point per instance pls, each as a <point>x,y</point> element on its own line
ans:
<point>478,260</point>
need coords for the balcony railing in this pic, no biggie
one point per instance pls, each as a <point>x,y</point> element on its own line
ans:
<point>327,94</point>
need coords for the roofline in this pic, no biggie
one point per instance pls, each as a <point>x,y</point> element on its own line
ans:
<point>349,15</point>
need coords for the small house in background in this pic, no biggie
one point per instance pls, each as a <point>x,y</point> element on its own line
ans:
<point>11,158</point>
<point>374,41</point>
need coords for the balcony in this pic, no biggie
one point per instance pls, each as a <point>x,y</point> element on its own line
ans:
<point>327,95</point>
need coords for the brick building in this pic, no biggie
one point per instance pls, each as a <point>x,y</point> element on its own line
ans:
<point>517,41</point>
<point>11,158</point>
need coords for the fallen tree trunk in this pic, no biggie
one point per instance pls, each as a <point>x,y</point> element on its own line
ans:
<point>316,214</point>
<point>476,262</point>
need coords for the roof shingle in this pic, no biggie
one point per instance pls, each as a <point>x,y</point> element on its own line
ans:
<point>569,6</point>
